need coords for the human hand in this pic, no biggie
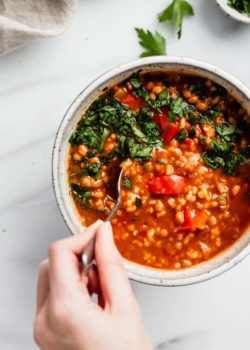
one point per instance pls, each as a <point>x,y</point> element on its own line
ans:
<point>66,316</point>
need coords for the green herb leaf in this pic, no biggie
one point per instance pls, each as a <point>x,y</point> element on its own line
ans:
<point>139,151</point>
<point>80,194</point>
<point>127,183</point>
<point>223,155</point>
<point>138,202</point>
<point>176,11</point>
<point>93,170</point>
<point>192,133</point>
<point>242,6</point>
<point>154,44</point>
<point>162,100</point>
<point>180,107</point>
<point>182,135</point>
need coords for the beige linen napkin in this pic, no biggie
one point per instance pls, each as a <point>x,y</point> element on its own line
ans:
<point>25,20</point>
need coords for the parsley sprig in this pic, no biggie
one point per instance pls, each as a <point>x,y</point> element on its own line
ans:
<point>175,12</point>
<point>154,44</point>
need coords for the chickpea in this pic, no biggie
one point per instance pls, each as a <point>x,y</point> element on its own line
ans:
<point>150,233</point>
<point>171,202</point>
<point>120,92</point>
<point>152,96</point>
<point>129,86</point>
<point>215,231</point>
<point>94,160</point>
<point>186,93</point>
<point>202,106</point>
<point>159,206</point>
<point>208,130</point>
<point>179,218</point>
<point>77,157</point>
<point>235,190</point>
<point>150,210</point>
<point>177,265</point>
<point>193,99</point>
<point>131,227</point>
<point>89,182</point>
<point>215,100</point>
<point>222,188</point>
<point>160,213</point>
<point>169,169</point>
<point>212,220</point>
<point>99,204</point>
<point>150,85</point>
<point>157,90</point>
<point>202,194</point>
<point>110,204</point>
<point>172,90</point>
<point>131,209</point>
<point>243,142</point>
<point>214,204</point>
<point>178,246</point>
<point>98,194</point>
<point>113,136</point>
<point>186,263</point>
<point>163,233</point>
<point>182,123</point>
<point>232,120</point>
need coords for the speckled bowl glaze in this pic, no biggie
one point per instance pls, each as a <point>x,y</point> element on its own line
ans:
<point>140,273</point>
<point>241,17</point>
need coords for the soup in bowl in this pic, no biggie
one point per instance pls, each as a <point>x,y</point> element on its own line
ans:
<point>179,130</point>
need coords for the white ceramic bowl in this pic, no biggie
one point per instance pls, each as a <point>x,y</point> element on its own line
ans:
<point>141,273</point>
<point>241,17</point>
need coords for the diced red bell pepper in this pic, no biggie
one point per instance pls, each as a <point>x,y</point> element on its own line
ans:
<point>131,101</point>
<point>171,131</point>
<point>189,142</point>
<point>188,220</point>
<point>192,223</point>
<point>162,119</point>
<point>167,184</point>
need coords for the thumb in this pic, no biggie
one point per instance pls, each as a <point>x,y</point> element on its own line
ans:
<point>113,278</point>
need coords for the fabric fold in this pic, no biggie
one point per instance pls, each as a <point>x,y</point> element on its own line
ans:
<point>25,20</point>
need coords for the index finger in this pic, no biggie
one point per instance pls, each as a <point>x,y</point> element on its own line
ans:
<point>65,276</point>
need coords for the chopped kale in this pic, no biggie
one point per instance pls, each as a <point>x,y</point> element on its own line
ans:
<point>162,100</point>
<point>192,133</point>
<point>228,133</point>
<point>81,195</point>
<point>138,202</point>
<point>127,183</point>
<point>181,136</point>
<point>225,156</point>
<point>180,107</point>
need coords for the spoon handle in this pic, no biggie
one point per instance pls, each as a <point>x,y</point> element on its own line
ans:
<point>88,255</point>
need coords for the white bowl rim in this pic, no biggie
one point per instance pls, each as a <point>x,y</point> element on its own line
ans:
<point>140,273</point>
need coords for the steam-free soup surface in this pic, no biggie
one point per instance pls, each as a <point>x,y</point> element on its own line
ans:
<point>183,145</point>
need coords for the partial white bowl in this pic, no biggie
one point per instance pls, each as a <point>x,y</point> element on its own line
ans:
<point>241,17</point>
<point>202,272</point>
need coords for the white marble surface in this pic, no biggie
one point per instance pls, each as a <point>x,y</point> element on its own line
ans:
<point>37,83</point>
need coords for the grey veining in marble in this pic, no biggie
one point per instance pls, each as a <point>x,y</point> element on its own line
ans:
<point>37,85</point>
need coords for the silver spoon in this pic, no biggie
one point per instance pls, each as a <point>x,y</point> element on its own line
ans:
<point>88,254</point>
